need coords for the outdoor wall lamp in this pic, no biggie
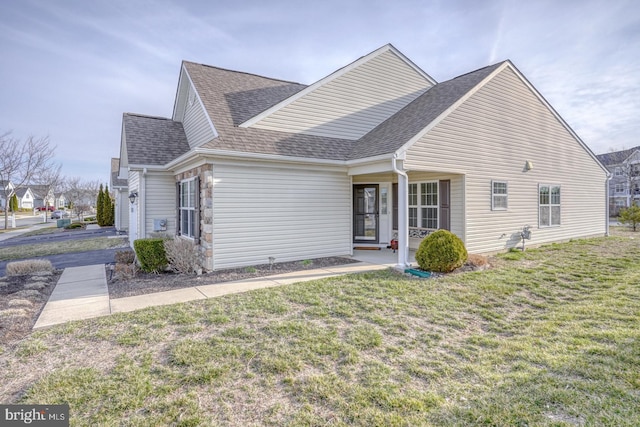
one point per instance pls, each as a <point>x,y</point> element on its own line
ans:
<point>528,165</point>
<point>132,197</point>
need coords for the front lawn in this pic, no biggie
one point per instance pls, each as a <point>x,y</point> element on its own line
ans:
<point>549,337</point>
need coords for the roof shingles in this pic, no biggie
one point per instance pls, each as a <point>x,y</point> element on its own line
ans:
<point>230,98</point>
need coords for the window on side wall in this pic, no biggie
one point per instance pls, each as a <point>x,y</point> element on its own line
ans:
<point>549,205</point>
<point>188,208</point>
<point>499,195</point>
<point>413,205</point>
<point>619,188</point>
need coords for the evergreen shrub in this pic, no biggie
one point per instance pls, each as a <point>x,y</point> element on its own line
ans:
<point>151,254</point>
<point>441,251</point>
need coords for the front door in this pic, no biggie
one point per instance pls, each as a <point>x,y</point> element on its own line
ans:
<point>365,213</point>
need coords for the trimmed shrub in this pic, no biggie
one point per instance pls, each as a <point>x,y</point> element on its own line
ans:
<point>441,251</point>
<point>28,266</point>
<point>73,225</point>
<point>183,256</point>
<point>151,255</point>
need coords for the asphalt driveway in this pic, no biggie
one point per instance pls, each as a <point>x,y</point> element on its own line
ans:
<point>72,259</point>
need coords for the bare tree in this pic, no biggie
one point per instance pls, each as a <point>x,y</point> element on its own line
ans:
<point>20,162</point>
<point>81,194</point>
<point>50,181</point>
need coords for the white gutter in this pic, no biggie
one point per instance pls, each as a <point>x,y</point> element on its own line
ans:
<point>403,215</point>
<point>606,192</point>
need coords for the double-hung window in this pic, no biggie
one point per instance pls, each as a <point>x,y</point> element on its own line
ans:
<point>619,189</point>
<point>429,205</point>
<point>499,195</point>
<point>423,205</point>
<point>188,208</point>
<point>548,205</point>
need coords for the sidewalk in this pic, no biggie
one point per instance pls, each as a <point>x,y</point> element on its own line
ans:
<point>14,232</point>
<point>82,293</point>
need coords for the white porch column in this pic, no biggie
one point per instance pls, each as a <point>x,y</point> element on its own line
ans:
<point>403,217</point>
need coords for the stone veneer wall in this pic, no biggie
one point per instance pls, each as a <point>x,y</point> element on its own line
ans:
<point>205,172</point>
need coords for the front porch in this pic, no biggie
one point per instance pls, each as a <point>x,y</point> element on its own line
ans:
<point>384,257</point>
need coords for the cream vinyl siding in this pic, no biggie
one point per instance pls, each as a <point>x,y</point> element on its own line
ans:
<point>122,209</point>
<point>195,122</point>
<point>282,212</point>
<point>134,211</point>
<point>354,103</point>
<point>160,190</point>
<point>490,137</point>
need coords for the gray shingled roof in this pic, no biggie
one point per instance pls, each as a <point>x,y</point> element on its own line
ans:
<point>616,157</point>
<point>153,140</point>
<point>230,98</point>
<point>115,169</point>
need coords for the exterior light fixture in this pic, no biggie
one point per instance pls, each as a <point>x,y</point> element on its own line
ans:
<point>528,165</point>
<point>132,197</point>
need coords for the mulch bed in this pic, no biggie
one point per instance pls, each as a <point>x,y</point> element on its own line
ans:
<point>145,283</point>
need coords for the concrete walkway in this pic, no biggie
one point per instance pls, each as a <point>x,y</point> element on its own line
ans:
<point>82,293</point>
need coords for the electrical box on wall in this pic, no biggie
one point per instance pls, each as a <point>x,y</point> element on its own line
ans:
<point>159,225</point>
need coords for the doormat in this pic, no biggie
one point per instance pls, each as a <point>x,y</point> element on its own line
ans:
<point>367,248</point>
<point>419,273</point>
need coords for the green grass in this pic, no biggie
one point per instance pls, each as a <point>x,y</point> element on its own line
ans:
<point>69,246</point>
<point>547,338</point>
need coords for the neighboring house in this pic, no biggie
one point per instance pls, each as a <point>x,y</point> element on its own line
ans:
<point>7,191</point>
<point>43,195</point>
<point>249,167</point>
<point>25,198</point>
<point>624,185</point>
<point>60,201</point>
<point>121,196</point>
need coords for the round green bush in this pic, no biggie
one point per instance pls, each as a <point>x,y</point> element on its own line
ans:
<point>441,251</point>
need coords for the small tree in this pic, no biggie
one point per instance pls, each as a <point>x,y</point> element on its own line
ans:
<point>630,216</point>
<point>13,203</point>
<point>107,208</point>
<point>99,207</point>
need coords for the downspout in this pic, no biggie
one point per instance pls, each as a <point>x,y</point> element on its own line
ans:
<point>608,201</point>
<point>142,197</point>
<point>403,215</point>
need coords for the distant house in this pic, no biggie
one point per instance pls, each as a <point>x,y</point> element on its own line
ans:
<point>7,190</point>
<point>624,185</point>
<point>60,200</point>
<point>25,198</point>
<point>250,167</point>
<point>43,195</point>
<point>121,196</point>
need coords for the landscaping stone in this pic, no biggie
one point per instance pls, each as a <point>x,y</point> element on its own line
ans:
<point>27,293</point>
<point>42,273</point>
<point>13,312</point>
<point>19,302</point>
<point>36,286</point>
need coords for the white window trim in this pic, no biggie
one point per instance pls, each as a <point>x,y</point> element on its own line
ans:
<point>494,195</point>
<point>191,232</point>
<point>419,206</point>
<point>618,171</point>
<point>616,186</point>
<point>550,205</point>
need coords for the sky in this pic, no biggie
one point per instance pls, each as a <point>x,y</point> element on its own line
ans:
<point>70,68</point>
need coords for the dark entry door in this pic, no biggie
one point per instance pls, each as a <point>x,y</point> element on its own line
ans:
<point>365,213</point>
